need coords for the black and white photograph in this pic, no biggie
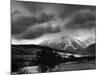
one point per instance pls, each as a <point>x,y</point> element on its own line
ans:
<point>52,37</point>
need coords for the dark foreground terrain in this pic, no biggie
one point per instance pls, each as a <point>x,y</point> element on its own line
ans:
<point>71,66</point>
<point>76,66</point>
<point>28,59</point>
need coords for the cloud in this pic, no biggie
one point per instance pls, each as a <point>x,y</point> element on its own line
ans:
<point>24,23</point>
<point>31,20</point>
<point>26,14</point>
<point>37,30</point>
<point>33,9</point>
<point>19,10</point>
<point>70,9</point>
<point>82,19</point>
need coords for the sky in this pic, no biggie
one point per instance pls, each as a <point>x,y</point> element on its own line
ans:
<point>34,22</point>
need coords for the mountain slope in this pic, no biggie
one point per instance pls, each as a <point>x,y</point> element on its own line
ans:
<point>64,43</point>
<point>91,49</point>
<point>89,41</point>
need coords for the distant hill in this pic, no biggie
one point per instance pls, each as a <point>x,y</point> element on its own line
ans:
<point>32,49</point>
<point>91,49</point>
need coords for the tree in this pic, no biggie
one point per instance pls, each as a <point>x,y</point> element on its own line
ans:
<point>48,59</point>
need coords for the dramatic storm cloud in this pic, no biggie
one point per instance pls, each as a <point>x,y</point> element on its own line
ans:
<point>83,19</point>
<point>33,20</point>
<point>37,31</point>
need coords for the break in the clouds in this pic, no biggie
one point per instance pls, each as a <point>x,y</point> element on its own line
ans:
<point>31,20</point>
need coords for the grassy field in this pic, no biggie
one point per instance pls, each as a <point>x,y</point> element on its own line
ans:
<point>76,66</point>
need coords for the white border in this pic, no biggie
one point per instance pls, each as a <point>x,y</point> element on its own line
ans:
<point>4,37</point>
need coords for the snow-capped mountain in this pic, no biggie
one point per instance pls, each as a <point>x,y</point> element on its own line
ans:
<point>89,41</point>
<point>64,43</point>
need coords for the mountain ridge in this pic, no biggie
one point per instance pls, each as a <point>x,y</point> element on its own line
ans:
<point>63,43</point>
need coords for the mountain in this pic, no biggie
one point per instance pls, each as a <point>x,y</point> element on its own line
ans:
<point>64,43</point>
<point>89,41</point>
<point>72,46</point>
<point>91,49</point>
